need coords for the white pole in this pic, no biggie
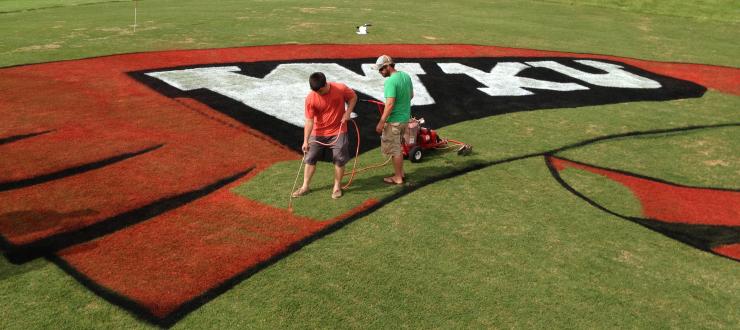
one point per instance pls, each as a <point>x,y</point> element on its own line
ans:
<point>135,18</point>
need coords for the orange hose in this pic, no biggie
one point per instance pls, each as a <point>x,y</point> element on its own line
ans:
<point>351,174</point>
<point>357,154</point>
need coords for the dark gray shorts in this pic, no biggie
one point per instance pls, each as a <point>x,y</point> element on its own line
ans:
<point>339,151</point>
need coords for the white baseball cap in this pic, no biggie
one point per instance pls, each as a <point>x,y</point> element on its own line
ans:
<point>382,61</point>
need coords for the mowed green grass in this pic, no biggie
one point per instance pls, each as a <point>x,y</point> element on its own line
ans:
<point>500,247</point>
<point>707,158</point>
<point>697,32</point>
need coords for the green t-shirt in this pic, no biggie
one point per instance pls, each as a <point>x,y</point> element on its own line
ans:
<point>399,85</point>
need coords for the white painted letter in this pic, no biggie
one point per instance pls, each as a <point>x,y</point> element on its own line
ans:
<point>614,77</point>
<point>282,92</point>
<point>502,80</point>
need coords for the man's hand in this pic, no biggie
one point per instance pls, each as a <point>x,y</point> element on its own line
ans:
<point>306,134</point>
<point>379,127</point>
<point>390,102</point>
<point>346,116</point>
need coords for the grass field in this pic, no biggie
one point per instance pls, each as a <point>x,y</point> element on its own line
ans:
<point>501,247</point>
<point>695,33</point>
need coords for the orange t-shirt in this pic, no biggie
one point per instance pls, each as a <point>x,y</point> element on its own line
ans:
<point>327,110</point>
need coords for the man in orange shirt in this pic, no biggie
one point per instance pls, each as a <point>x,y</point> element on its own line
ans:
<point>326,127</point>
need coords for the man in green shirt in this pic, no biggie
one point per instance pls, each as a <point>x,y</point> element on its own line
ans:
<point>393,123</point>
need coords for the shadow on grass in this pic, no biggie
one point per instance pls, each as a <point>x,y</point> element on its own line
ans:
<point>416,174</point>
<point>367,185</point>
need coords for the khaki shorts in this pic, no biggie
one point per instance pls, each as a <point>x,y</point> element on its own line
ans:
<point>390,140</point>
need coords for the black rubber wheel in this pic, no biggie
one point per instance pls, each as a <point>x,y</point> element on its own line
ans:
<point>415,154</point>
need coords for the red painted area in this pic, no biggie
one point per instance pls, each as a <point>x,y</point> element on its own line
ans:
<point>96,111</point>
<point>671,203</point>
<point>50,151</point>
<point>730,250</point>
<point>191,158</point>
<point>216,238</point>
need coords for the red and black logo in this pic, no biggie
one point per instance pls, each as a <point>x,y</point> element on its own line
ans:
<point>119,168</point>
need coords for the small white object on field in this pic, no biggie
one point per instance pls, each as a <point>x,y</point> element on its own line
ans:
<point>362,29</point>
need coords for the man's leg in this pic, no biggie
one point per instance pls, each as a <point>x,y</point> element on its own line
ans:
<point>340,156</point>
<point>338,174</point>
<point>307,175</point>
<point>398,168</point>
<point>391,145</point>
<point>310,158</point>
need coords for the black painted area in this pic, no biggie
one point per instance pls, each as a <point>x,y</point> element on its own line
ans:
<point>703,237</point>
<point>81,169</point>
<point>14,138</point>
<point>105,293</point>
<point>645,177</point>
<point>456,95</point>
<point>26,252</point>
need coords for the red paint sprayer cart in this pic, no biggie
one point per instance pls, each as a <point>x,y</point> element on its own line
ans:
<point>419,139</point>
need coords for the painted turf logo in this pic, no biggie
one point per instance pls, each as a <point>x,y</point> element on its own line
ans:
<point>280,93</point>
<point>130,192</point>
<point>269,95</point>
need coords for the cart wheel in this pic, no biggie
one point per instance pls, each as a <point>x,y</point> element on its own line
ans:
<point>415,154</point>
